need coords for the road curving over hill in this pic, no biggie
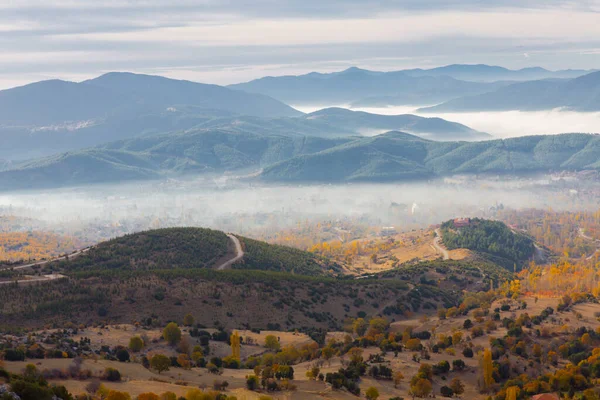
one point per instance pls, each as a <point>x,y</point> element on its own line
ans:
<point>239,253</point>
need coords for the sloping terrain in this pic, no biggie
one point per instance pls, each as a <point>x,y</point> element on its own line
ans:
<point>579,94</point>
<point>492,239</point>
<point>189,248</point>
<point>394,156</point>
<point>369,124</point>
<point>195,152</point>
<point>397,156</point>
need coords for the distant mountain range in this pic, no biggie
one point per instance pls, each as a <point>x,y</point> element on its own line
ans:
<point>490,73</point>
<point>39,140</point>
<point>578,94</point>
<point>45,117</point>
<point>366,88</point>
<point>393,156</point>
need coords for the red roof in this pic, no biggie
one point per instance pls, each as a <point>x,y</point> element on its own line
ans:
<point>545,396</point>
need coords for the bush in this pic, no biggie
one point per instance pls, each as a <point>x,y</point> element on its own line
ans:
<point>468,352</point>
<point>446,391</point>
<point>122,355</point>
<point>14,355</point>
<point>112,374</point>
<point>252,382</point>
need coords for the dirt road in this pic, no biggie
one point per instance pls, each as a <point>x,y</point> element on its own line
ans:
<point>38,263</point>
<point>239,253</point>
<point>437,240</point>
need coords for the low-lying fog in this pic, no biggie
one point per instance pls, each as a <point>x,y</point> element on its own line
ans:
<point>501,124</point>
<point>101,212</point>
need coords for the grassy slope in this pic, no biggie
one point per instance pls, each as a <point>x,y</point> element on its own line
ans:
<point>397,156</point>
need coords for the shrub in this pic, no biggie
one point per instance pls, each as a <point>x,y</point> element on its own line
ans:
<point>112,374</point>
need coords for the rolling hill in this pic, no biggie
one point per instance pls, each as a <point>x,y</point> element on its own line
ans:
<point>579,94</point>
<point>191,248</point>
<point>185,153</point>
<point>492,239</point>
<point>397,156</point>
<point>369,124</point>
<point>394,156</point>
<point>341,122</point>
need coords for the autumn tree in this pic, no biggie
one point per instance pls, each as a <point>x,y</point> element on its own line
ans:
<point>327,353</point>
<point>356,355</point>
<point>184,361</point>
<point>172,333</point>
<point>512,393</point>
<point>457,386</point>
<point>398,378</point>
<point>136,344</point>
<point>372,393</point>
<point>148,396</point>
<point>487,369</point>
<point>188,320</point>
<point>272,343</point>
<point>115,395</point>
<point>359,326</point>
<point>160,363</point>
<point>235,346</point>
<point>420,387</point>
<point>168,396</point>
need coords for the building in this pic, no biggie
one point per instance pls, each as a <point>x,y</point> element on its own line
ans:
<point>462,222</point>
<point>545,396</point>
<point>388,231</point>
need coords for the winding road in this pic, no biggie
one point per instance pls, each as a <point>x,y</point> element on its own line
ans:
<point>38,263</point>
<point>239,253</point>
<point>437,245</point>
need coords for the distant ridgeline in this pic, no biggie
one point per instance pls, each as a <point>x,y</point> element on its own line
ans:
<point>492,239</point>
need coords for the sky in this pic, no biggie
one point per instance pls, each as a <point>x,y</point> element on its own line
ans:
<point>230,41</point>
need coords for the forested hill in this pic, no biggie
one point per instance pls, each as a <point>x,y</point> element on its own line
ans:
<point>493,239</point>
<point>191,248</point>
<point>393,156</point>
<point>397,156</point>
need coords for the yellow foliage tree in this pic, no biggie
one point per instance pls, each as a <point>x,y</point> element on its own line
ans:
<point>115,395</point>
<point>235,346</point>
<point>512,393</point>
<point>487,368</point>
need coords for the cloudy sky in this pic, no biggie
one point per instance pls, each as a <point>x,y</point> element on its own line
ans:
<point>227,41</point>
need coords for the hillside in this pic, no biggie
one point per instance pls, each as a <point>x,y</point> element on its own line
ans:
<point>493,239</point>
<point>190,248</point>
<point>397,156</point>
<point>369,124</point>
<point>51,116</point>
<point>354,84</point>
<point>394,156</point>
<point>291,300</point>
<point>579,94</point>
<point>185,153</point>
